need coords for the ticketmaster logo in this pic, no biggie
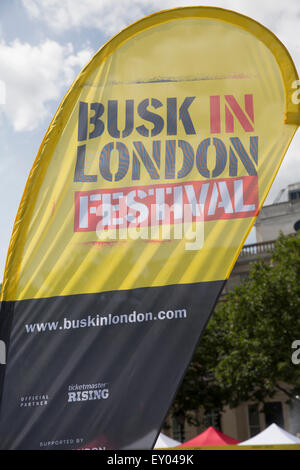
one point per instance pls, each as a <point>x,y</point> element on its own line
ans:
<point>88,392</point>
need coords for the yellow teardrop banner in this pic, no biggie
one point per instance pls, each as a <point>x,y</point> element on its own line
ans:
<point>145,187</point>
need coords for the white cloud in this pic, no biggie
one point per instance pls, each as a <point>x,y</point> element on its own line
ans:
<point>110,16</point>
<point>35,75</point>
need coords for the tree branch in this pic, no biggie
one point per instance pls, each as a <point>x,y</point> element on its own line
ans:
<point>289,394</point>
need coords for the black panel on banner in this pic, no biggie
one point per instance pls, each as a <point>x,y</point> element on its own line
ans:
<point>96,370</point>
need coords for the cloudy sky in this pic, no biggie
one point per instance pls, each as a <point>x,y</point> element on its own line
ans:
<point>45,43</point>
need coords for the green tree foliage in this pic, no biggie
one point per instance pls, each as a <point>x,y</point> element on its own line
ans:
<point>245,352</point>
<point>200,387</point>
